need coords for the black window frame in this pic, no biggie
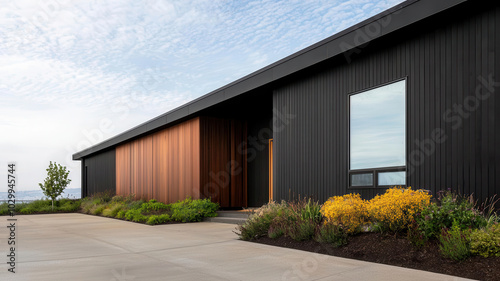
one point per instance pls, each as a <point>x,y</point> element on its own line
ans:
<point>376,171</point>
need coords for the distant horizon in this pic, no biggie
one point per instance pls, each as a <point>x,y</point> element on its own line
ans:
<point>37,194</point>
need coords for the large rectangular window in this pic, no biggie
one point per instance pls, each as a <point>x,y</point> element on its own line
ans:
<point>377,140</point>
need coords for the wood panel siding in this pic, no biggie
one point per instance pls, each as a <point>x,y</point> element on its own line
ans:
<point>444,63</point>
<point>163,165</point>
<point>223,171</point>
<point>123,183</point>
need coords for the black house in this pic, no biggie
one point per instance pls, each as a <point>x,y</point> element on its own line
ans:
<point>407,97</point>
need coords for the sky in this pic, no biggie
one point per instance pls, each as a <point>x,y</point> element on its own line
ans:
<point>74,73</point>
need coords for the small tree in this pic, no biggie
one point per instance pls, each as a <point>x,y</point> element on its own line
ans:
<point>56,181</point>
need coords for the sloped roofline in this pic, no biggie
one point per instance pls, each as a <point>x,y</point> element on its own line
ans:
<point>345,42</point>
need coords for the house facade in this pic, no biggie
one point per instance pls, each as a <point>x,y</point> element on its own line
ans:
<point>408,97</point>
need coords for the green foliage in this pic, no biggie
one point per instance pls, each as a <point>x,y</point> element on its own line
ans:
<point>281,223</point>
<point>190,210</point>
<point>135,215</point>
<point>151,212</point>
<point>135,204</point>
<point>331,234</point>
<point>204,207</point>
<point>4,208</point>
<point>121,214</point>
<point>455,242</point>
<point>185,215</point>
<point>112,209</point>
<point>492,220</point>
<point>486,242</point>
<point>97,209</point>
<point>312,211</point>
<point>158,219</point>
<point>302,229</point>
<point>259,222</point>
<point>298,220</point>
<point>450,208</point>
<point>43,206</point>
<point>123,199</point>
<point>415,235</point>
<point>68,205</point>
<point>56,181</point>
<point>40,210</point>
<point>275,231</point>
<point>153,206</point>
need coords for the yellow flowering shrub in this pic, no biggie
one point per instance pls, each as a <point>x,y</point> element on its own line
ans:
<point>397,207</point>
<point>348,211</point>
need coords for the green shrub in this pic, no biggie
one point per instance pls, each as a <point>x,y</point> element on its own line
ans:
<point>205,207</point>
<point>257,225</point>
<point>67,205</point>
<point>107,213</point>
<point>112,209</point>
<point>97,209</point>
<point>4,209</point>
<point>122,199</point>
<point>135,204</point>
<point>448,209</point>
<point>279,226</point>
<point>312,211</point>
<point>86,205</point>
<point>415,235</point>
<point>37,206</point>
<point>31,209</point>
<point>454,243</point>
<point>153,205</point>
<point>121,213</point>
<point>27,211</point>
<point>190,210</point>
<point>115,208</point>
<point>486,242</point>
<point>302,230</point>
<point>158,219</point>
<point>185,215</point>
<point>275,232</point>
<point>104,197</point>
<point>135,215</point>
<point>331,234</point>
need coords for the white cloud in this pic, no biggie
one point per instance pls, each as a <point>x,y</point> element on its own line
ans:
<point>67,66</point>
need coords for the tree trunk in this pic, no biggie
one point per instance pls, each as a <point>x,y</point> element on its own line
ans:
<point>52,204</point>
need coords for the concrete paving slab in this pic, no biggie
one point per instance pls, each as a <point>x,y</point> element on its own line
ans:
<point>84,247</point>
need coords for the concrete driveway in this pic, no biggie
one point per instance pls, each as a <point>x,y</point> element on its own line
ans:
<point>84,247</point>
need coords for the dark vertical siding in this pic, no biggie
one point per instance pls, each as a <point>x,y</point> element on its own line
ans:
<point>259,133</point>
<point>99,173</point>
<point>442,62</point>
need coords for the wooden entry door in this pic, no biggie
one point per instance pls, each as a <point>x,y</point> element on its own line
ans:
<point>270,170</point>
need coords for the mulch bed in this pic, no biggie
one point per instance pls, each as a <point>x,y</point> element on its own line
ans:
<point>398,251</point>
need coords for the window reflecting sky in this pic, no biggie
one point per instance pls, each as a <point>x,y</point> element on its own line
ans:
<point>377,124</point>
